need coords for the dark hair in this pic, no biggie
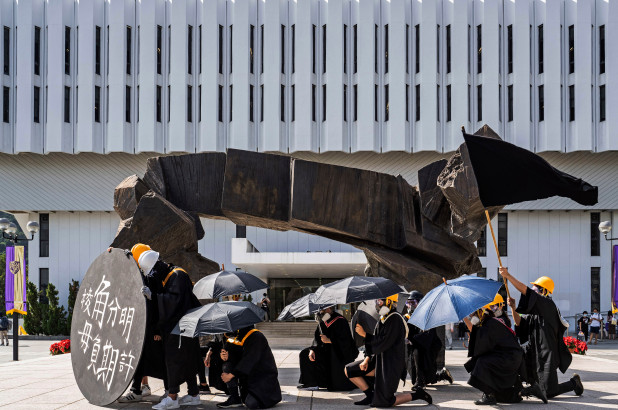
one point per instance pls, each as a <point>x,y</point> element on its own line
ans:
<point>585,311</point>
<point>264,294</point>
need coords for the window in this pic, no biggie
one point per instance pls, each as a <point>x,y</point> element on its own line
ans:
<point>200,53</point>
<point>313,39</point>
<point>37,99</point>
<point>571,49</point>
<point>231,44</point>
<point>375,103</point>
<point>602,49</point>
<point>189,103</point>
<point>540,39</point>
<point>251,46</point>
<point>221,49</point>
<point>448,103</point>
<point>417,49</point>
<point>324,48</point>
<point>503,221</point>
<point>500,49</point>
<point>293,48</point>
<point>43,284</point>
<point>438,48</point>
<point>479,102</point>
<point>282,102</point>
<point>355,48</point>
<point>231,88</point>
<point>97,103</point>
<point>67,104</point>
<point>37,50</point>
<point>241,231</point>
<point>469,103</point>
<point>43,235</point>
<point>541,103</point>
<point>158,103</point>
<point>159,45</point>
<point>482,273</point>
<point>262,48</point>
<point>67,51</point>
<point>509,39</point>
<point>107,104</point>
<point>479,50</point>
<point>345,48</point>
<point>220,104</point>
<point>345,102</point>
<point>417,102</point>
<point>407,48</point>
<point>107,55</point>
<point>97,50</point>
<point>282,49</point>
<point>595,234</point>
<point>509,91</point>
<point>386,48</point>
<point>375,48</point>
<point>469,50</point>
<point>251,103</point>
<point>7,50</point>
<point>531,103</point>
<point>448,49</point>
<point>386,102</point>
<point>190,49</point>
<point>355,102</point>
<point>481,243</point>
<point>262,102</point>
<point>127,103</point>
<point>500,102</point>
<point>602,103</point>
<point>128,49</point>
<point>571,103</point>
<point>313,90</point>
<point>137,105</point>
<point>294,103</point>
<point>407,102</point>
<point>595,288</point>
<point>438,103</point>
<point>324,102</point>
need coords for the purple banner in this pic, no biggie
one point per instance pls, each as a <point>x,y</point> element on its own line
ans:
<point>15,281</point>
<point>9,280</point>
<point>615,277</point>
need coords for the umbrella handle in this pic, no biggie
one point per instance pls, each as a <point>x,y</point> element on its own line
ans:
<point>493,236</point>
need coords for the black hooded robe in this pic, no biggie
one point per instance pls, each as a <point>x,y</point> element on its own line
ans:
<point>328,369</point>
<point>425,346</point>
<point>546,351</point>
<point>257,372</point>
<point>387,343</point>
<point>175,297</point>
<point>495,360</point>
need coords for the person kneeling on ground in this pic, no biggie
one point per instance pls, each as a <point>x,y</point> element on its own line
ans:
<point>384,361</point>
<point>496,359</point>
<point>543,328</point>
<point>255,370</point>
<point>323,364</point>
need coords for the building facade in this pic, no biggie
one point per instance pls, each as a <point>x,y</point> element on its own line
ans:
<point>92,88</point>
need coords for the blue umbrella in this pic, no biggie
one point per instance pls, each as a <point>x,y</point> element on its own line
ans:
<point>453,300</point>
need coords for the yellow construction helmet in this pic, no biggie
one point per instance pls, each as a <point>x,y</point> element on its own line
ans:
<point>393,298</point>
<point>497,300</point>
<point>544,282</point>
<point>138,249</point>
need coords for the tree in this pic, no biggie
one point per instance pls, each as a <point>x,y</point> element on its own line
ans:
<point>73,289</point>
<point>33,321</point>
<point>55,319</point>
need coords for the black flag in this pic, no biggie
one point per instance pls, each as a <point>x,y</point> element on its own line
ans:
<point>507,174</point>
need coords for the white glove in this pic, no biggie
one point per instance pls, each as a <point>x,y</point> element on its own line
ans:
<point>147,292</point>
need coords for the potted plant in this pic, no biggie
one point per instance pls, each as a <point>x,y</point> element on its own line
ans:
<point>576,346</point>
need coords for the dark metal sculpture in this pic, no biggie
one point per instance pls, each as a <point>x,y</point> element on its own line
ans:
<point>412,235</point>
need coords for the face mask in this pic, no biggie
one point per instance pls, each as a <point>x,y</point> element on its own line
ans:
<point>585,315</point>
<point>384,310</point>
<point>475,320</point>
<point>325,316</point>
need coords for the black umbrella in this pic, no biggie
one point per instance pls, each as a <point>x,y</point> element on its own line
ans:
<point>220,317</point>
<point>227,283</point>
<point>356,289</point>
<point>366,316</point>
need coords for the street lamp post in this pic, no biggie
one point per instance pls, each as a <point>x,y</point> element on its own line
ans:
<point>9,231</point>
<point>605,227</point>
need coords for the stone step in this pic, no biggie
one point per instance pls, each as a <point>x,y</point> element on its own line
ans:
<point>287,329</point>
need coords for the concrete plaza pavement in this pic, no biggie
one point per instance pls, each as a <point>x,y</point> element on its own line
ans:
<point>41,382</point>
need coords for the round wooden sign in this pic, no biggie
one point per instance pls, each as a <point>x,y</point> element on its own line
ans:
<point>108,327</point>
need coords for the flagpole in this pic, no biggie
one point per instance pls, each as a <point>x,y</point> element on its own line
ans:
<point>493,236</point>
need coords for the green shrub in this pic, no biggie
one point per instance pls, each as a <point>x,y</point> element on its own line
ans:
<point>54,322</point>
<point>33,321</point>
<point>73,289</point>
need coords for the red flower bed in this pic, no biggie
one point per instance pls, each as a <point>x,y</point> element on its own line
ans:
<point>576,346</point>
<point>61,347</point>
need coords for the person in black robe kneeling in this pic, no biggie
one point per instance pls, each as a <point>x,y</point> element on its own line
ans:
<point>542,327</point>
<point>174,298</point>
<point>255,371</point>
<point>423,348</point>
<point>384,361</point>
<point>323,364</point>
<point>496,358</point>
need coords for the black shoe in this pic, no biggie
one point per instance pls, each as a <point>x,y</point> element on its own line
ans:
<point>486,400</point>
<point>232,401</point>
<point>366,401</point>
<point>204,388</point>
<point>420,394</point>
<point>445,374</point>
<point>535,390</point>
<point>420,384</point>
<point>307,387</point>
<point>579,387</point>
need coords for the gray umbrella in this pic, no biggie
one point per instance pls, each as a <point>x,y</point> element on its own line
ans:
<point>300,308</point>
<point>227,283</point>
<point>356,289</point>
<point>366,316</point>
<point>220,317</point>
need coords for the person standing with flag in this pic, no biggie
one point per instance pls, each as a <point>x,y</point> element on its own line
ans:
<point>538,322</point>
